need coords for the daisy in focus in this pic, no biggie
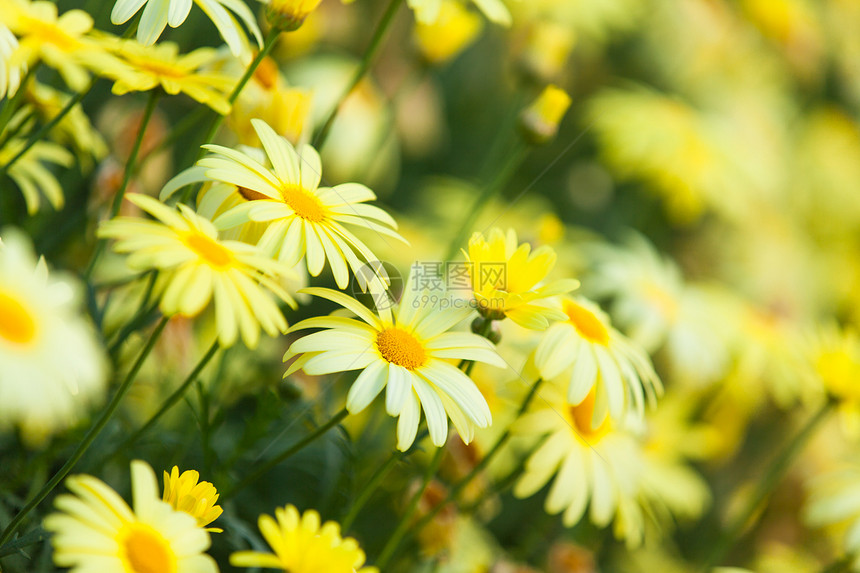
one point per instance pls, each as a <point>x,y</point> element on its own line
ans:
<point>593,359</point>
<point>303,219</point>
<point>158,14</point>
<point>302,545</point>
<point>595,468</point>
<point>505,276</point>
<point>141,68</point>
<point>196,267</point>
<point>54,367</point>
<point>405,352</point>
<point>95,530</point>
<point>185,492</point>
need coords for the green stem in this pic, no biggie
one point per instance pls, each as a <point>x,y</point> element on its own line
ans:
<point>363,67</point>
<point>775,472</point>
<point>263,469</point>
<point>126,178</point>
<point>455,491</point>
<point>143,311</point>
<point>92,434</point>
<point>503,176</point>
<point>369,488</point>
<point>406,519</point>
<point>38,135</point>
<point>267,47</point>
<point>839,566</point>
<point>12,103</point>
<point>172,399</point>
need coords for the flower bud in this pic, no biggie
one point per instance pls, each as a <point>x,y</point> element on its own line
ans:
<point>289,15</point>
<point>454,30</point>
<point>539,122</point>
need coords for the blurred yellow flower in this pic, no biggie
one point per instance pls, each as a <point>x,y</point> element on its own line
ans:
<point>505,276</point>
<point>429,11</point>
<point>158,14</point>
<point>547,49</point>
<point>452,32</point>
<point>541,119</point>
<point>835,356</point>
<point>196,266</point>
<point>95,530</point>
<point>141,68</point>
<point>11,68</point>
<point>596,466</point>
<point>59,41</point>
<point>833,504</point>
<point>184,492</point>
<point>597,362</point>
<point>31,174</point>
<point>53,365</point>
<point>302,545</point>
<point>406,353</point>
<point>303,219</point>
<point>75,129</point>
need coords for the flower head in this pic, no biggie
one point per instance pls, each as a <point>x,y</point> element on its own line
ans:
<point>95,530</point>
<point>302,545</point>
<point>596,360</point>
<point>53,365</point>
<point>31,174</point>
<point>454,30</point>
<point>406,352</point>
<point>196,498</point>
<point>11,69</point>
<point>158,14</point>
<point>136,67</point>
<point>505,278</point>
<point>429,11</point>
<point>303,219</point>
<point>541,119</point>
<point>289,15</point>
<point>196,266</point>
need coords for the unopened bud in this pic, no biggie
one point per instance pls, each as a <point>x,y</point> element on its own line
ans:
<point>454,30</point>
<point>546,51</point>
<point>540,120</point>
<point>289,15</point>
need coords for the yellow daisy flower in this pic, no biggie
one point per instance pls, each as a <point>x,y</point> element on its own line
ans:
<point>598,466</point>
<point>158,14</point>
<point>289,15</point>
<point>302,545</point>
<point>505,276</point>
<point>53,365</point>
<point>196,266</point>
<point>32,176</point>
<point>595,359</point>
<point>95,530</point>
<point>406,352</point>
<point>11,69</point>
<point>59,41</point>
<point>303,219</point>
<point>75,129</point>
<point>184,492</point>
<point>136,67</point>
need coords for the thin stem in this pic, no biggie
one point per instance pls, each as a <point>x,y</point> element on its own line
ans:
<point>172,399</point>
<point>775,472</point>
<point>126,178</point>
<point>267,47</point>
<point>92,434</point>
<point>374,482</point>
<point>455,491</point>
<point>263,469</point>
<point>363,67</point>
<point>40,133</point>
<point>139,318</point>
<point>503,176</point>
<point>405,519</point>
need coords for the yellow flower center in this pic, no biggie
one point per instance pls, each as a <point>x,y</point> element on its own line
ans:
<point>303,203</point>
<point>586,323</point>
<point>146,551</point>
<point>209,250</point>
<point>399,347</point>
<point>16,322</point>
<point>267,73</point>
<point>52,34</point>
<point>580,418</point>
<point>160,68</point>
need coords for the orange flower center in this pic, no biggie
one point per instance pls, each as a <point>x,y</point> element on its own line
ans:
<point>303,203</point>
<point>146,551</point>
<point>586,323</point>
<point>209,250</point>
<point>399,347</point>
<point>16,322</point>
<point>581,416</point>
<point>267,73</point>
